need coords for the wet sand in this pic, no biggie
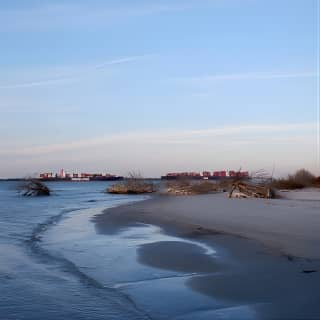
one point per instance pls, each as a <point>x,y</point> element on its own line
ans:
<point>288,226</point>
<point>266,259</point>
<point>179,256</point>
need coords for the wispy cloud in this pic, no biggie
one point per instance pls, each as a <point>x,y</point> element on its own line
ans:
<point>71,77</point>
<point>23,109</point>
<point>241,134</point>
<point>250,146</point>
<point>78,14</point>
<point>209,79</point>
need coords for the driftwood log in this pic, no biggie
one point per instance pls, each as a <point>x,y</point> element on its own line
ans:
<point>34,187</point>
<point>244,190</point>
<point>182,188</point>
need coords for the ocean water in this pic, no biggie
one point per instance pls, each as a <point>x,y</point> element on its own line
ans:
<point>36,283</point>
<point>54,264</point>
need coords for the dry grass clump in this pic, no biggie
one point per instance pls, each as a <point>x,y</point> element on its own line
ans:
<point>34,187</point>
<point>225,184</point>
<point>178,187</point>
<point>204,187</point>
<point>133,184</point>
<point>187,187</point>
<point>300,179</point>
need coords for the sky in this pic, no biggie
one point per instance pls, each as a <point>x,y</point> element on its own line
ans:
<point>158,86</point>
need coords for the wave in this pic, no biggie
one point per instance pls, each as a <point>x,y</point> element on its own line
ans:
<point>114,296</point>
<point>42,227</point>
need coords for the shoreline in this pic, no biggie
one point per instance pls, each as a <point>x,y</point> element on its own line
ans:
<point>246,278</point>
<point>285,226</point>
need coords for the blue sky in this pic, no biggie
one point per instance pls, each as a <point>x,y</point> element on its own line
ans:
<point>158,86</point>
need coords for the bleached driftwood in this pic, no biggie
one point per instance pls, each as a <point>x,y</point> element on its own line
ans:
<point>244,190</point>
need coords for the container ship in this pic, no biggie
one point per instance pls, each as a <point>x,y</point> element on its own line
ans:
<point>64,176</point>
<point>207,175</point>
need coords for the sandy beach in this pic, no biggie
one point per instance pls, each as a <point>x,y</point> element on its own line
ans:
<point>285,225</point>
<point>267,256</point>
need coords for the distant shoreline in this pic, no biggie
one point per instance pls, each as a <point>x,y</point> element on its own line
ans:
<point>68,180</point>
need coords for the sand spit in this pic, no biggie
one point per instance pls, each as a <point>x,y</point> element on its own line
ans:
<point>276,277</point>
<point>289,226</point>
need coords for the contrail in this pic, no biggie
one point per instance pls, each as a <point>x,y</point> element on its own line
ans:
<point>73,76</point>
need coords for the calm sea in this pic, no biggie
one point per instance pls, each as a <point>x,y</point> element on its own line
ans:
<point>36,280</point>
